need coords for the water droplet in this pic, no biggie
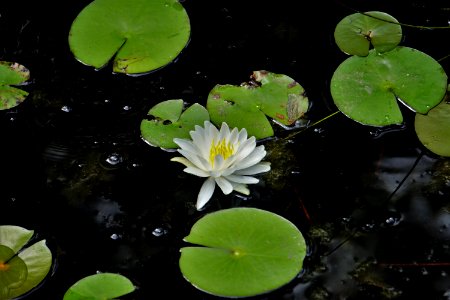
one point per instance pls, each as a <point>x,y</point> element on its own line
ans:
<point>126,107</point>
<point>114,159</point>
<point>115,236</point>
<point>393,220</point>
<point>66,108</point>
<point>318,130</point>
<point>159,231</point>
<point>107,101</point>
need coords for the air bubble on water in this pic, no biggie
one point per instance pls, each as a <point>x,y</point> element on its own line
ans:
<point>159,231</point>
<point>318,130</point>
<point>114,159</point>
<point>115,236</point>
<point>66,108</point>
<point>392,221</point>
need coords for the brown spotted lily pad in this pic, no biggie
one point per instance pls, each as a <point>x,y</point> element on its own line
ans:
<point>249,105</point>
<point>11,74</point>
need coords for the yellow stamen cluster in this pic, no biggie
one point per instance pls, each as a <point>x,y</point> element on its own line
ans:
<point>221,148</point>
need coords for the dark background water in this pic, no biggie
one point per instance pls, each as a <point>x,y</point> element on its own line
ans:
<point>75,169</point>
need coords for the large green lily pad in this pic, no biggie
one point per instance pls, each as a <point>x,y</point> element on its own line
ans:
<point>12,73</point>
<point>168,121</point>
<point>141,35</point>
<point>247,106</point>
<point>355,33</point>
<point>366,89</point>
<point>433,129</point>
<point>24,270</point>
<point>242,252</point>
<point>102,286</point>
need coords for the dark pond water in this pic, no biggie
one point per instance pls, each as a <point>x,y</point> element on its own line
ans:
<point>373,204</point>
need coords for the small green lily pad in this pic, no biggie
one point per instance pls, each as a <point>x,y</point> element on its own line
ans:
<point>355,33</point>
<point>242,252</point>
<point>12,73</point>
<point>102,286</point>
<point>25,269</point>
<point>248,105</point>
<point>366,89</point>
<point>168,121</point>
<point>433,129</point>
<point>141,35</point>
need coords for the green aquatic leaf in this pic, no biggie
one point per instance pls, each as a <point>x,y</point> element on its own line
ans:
<point>355,33</point>
<point>368,89</point>
<point>276,96</point>
<point>242,252</point>
<point>26,266</point>
<point>140,35</point>
<point>168,121</point>
<point>433,129</point>
<point>102,286</point>
<point>14,237</point>
<point>13,272</point>
<point>12,73</point>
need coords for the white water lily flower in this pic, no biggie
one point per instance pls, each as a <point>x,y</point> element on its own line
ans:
<point>223,157</point>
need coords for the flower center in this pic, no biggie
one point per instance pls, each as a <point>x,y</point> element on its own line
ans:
<point>221,148</point>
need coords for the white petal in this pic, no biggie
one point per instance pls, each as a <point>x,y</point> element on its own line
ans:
<point>196,171</point>
<point>245,148</point>
<point>242,135</point>
<point>234,136</point>
<point>242,179</point>
<point>241,188</point>
<point>224,133</point>
<point>182,160</point>
<point>255,169</point>
<point>224,185</point>
<point>227,171</point>
<point>186,145</point>
<point>198,161</point>
<point>211,132</point>
<point>201,143</point>
<point>252,159</point>
<point>206,191</point>
<point>218,163</point>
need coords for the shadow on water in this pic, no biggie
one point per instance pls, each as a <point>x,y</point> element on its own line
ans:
<point>373,205</point>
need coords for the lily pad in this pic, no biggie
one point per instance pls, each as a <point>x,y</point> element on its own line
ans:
<point>247,106</point>
<point>12,73</point>
<point>366,89</point>
<point>242,252</point>
<point>355,33</point>
<point>102,286</point>
<point>26,268</point>
<point>168,121</point>
<point>13,271</point>
<point>141,35</point>
<point>433,129</point>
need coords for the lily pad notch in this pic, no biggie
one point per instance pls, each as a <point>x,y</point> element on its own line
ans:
<point>139,35</point>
